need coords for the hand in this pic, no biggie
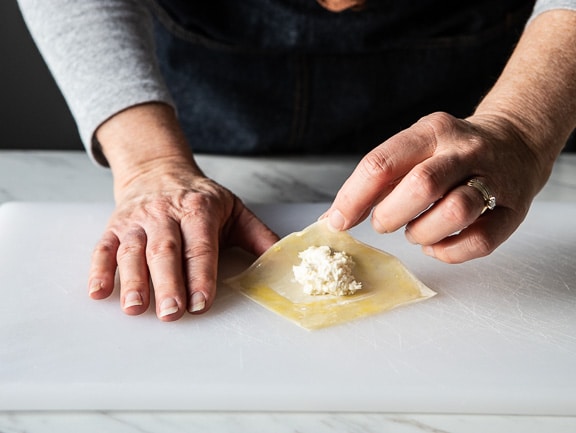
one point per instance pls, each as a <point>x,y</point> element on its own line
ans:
<point>418,179</point>
<point>167,227</point>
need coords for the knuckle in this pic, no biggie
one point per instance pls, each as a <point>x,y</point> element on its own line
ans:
<point>439,122</point>
<point>481,245</point>
<point>200,206</point>
<point>206,198</point>
<point>457,211</point>
<point>436,126</point>
<point>129,250</point>
<point>478,244</point>
<point>133,284</point>
<point>134,236</point>
<point>133,243</point>
<point>161,249</point>
<point>105,247</point>
<point>375,165</point>
<point>424,183</point>
<point>199,249</point>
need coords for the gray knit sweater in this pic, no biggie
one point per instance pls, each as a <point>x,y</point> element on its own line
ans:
<point>101,54</point>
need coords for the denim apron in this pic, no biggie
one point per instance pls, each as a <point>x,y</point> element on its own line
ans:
<point>288,76</point>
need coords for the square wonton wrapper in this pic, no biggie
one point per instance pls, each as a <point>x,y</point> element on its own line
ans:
<point>269,281</point>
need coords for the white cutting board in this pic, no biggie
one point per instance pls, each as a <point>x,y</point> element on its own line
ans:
<point>499,338</point>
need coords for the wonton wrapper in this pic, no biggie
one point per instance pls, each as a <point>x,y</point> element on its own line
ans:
<point>386,283</point>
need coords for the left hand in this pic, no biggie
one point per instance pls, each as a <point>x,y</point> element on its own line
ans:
<point>167,228</point>
<point>418,179</point>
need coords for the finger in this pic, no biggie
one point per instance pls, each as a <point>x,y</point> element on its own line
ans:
<point>453,213</point>
<point>377,172</point>
<point>368,210</point>
<point>164,257</point>
<point>103,267</point>
<point>200,245</point>
<point>251,234</point>
<point>424,185</point>
<point>479,239</point>
<point>133,271</point>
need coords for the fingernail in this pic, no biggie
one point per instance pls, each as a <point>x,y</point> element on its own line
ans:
<point>167,307</point>
<point>409,237</point>
<point>132,299</point>
<point>377,225</point>
<point>336,221</point>
<point>95,286</point>
<point>198,302</point>
<point>429,251</point>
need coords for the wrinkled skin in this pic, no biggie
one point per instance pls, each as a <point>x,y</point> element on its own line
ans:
<point>167,228</point>
<point>418,179</point>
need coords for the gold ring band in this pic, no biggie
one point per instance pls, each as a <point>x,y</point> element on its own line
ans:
<point>489,198</point>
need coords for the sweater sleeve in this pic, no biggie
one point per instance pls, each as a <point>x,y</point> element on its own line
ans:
<point>547,5</point>
<point>101,54</point>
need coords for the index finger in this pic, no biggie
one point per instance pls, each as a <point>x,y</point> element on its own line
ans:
<point>378,172</point>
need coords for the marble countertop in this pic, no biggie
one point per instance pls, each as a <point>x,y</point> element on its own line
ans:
<point>71,176</point>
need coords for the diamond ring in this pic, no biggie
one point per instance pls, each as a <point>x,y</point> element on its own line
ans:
<point>489,198</point>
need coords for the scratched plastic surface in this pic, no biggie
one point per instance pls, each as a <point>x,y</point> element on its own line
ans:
<point>499,337</point>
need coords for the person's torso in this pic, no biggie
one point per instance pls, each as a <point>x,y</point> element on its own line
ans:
<point>307,26</point>
<point>284,76</point>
